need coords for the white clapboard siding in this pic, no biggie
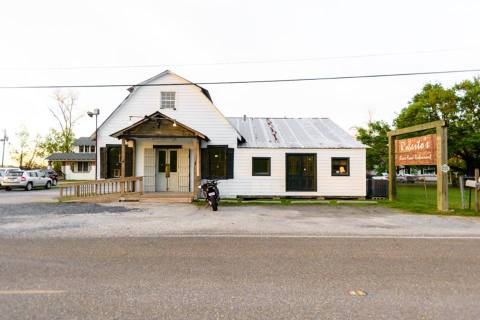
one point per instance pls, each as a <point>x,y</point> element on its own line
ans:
<point>149,170</point>
<point>275,185</point>
<point>183,170</point>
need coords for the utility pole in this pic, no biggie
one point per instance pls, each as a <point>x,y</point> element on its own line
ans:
<point>95,113</point>
<point>4,140</point>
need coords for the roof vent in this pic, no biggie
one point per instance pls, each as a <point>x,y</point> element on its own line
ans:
<point>244,117</point>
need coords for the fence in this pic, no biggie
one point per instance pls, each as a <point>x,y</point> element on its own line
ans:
<point>101,187</point>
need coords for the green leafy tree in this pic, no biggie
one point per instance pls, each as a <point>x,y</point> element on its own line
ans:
<point>375,136</point>
<point>459,107</point>
<point>57,141</point>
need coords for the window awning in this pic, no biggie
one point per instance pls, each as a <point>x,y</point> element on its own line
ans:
<point>158,125</point>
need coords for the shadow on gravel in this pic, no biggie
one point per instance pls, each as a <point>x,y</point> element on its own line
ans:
<point>60,208</point>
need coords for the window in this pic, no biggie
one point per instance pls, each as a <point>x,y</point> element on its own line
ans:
<point>92,148</point>
<point>80,149</point>
<point>217,162</point>
<point>260,166</point>
<point>162,160</point>
<point>173,160</point>
<point>340,166</point>
<point>82,166</point>
<point>167,100</point>
<point>217,166</point>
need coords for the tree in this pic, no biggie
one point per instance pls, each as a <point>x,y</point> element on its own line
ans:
<point>54,141</point>
<point>375,136</point>
<point>64,112</point>
<point>27,153</point>
<point>21,150</point>
<point>459,107</point>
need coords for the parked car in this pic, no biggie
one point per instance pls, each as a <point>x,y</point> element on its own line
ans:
<point>52,174</point>
<point>384,176</point>
<point>26,179</point>
<point>4,172</point>
<point>406,178</point>
<point>428,177</point>
<point>401,177</point>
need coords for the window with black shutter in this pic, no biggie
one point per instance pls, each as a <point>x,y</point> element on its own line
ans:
<point>217,162</point>
<point>103,163</point>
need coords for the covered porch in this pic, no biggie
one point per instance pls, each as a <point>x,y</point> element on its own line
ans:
<point>165,152</point>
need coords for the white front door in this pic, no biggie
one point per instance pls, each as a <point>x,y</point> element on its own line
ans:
<point>167,170</point>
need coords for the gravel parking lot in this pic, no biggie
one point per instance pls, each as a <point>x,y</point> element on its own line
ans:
<point>22,196</point>
<point>51,219</point>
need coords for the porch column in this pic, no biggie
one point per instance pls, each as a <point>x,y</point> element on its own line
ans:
<point>196,169</point>
<point>134,157</point>
<point>122,168</point>
<point>122,159</point>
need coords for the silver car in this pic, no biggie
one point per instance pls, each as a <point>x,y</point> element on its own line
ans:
<point>26,179</point>
<point>4,172</point>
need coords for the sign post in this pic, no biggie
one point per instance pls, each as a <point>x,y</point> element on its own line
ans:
<point>475,184</point>
<point>424,150</point>
<point>477,189</point>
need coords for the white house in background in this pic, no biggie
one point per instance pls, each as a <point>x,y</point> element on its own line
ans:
<point>174,136</point>
<point>79,164</point>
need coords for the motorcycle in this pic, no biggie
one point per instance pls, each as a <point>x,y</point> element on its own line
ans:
<point>211,193</point>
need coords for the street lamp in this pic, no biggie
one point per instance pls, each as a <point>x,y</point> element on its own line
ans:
<point>95,113</point>
<point>4,140</point>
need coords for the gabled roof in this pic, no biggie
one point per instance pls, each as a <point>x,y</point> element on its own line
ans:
<point>84,141</point>
<point>70,156</point>
<point>131,91</point>
<point>293,133</point>
<point>204,91</point>
<point>154,117</point>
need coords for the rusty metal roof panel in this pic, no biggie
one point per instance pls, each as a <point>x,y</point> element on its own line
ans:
<point>292,133</point>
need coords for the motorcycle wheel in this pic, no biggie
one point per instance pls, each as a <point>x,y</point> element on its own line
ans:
<point>214,204</point>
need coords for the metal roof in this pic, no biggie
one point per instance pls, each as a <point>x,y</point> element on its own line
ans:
<point>84,141</point>
<point>292,133</point>
<point>87,156</point>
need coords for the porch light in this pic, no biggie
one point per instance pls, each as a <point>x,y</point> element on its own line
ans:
<point>174,123</point>
<point>130,118</point>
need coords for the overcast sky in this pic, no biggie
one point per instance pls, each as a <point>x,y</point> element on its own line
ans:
<point>85,42</point>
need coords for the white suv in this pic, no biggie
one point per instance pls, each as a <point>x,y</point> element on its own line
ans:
<point>27,180</point>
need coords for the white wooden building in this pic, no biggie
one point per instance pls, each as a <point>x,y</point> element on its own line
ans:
<point>79,164</point>
<point>171,133</point>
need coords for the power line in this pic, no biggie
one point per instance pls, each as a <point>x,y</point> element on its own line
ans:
<point>241,62</point>
<point>382,75</point>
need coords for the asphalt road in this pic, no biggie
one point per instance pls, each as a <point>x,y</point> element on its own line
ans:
<point>239,278</point>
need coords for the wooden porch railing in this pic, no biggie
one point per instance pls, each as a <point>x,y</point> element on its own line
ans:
<point>101,187</point>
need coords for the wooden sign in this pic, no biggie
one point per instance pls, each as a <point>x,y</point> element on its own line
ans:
<point>425,150</point>
<point>416,151</point>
